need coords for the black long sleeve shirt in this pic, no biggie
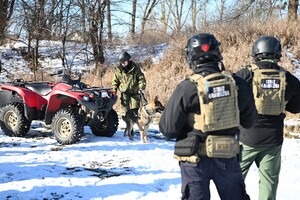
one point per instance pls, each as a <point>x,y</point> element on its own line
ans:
<point>185,100</point>
<point>268,130</point>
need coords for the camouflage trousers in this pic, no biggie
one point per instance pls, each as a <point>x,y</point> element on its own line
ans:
<point>130,101</point>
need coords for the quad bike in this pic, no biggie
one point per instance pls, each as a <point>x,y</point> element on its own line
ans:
<point>68,106</point>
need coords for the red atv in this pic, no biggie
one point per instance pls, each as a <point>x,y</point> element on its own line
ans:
<point>68,106</point>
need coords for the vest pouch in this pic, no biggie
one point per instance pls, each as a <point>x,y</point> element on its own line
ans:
<point>221,146</point>
<point>187,146</point>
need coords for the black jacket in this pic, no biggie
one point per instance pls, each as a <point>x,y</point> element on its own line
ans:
<point>268,131</point>
<point>185,100</point>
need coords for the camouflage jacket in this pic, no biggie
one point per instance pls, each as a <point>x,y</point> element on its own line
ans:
<point>130,81</point>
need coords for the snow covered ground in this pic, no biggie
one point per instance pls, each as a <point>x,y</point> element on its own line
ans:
<point>37,167</point>
<point>78,57</point>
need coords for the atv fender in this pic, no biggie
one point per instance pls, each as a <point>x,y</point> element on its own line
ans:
<point>31,113</point>
<point>66,99</point>
<point>8,97</point>
<point>30,98</point>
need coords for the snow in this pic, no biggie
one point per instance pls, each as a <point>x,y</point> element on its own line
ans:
<point>78,56</point>
<point>37,167</point>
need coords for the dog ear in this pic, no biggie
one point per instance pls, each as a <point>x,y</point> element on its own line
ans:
<point>156,98</point>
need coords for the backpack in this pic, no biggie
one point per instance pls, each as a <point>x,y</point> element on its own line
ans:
<point>269,87</point>
<point>218,102</point>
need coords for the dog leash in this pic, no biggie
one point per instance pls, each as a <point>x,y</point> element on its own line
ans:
<point>144,100</point>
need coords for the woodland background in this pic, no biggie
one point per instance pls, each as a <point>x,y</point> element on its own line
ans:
<point>104,23</point>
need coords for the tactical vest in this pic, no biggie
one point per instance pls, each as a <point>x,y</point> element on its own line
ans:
<point>269,87</point>
<point>218,102</point>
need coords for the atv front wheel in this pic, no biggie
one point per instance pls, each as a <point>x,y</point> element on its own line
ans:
<point>67,127</point>
<point>13,121</point>
<point>108,127</point>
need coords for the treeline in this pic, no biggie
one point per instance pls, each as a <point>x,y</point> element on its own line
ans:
<point>106,22</point>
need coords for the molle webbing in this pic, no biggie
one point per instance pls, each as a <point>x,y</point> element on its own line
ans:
<point>218,102</point>
<point>269,90</point>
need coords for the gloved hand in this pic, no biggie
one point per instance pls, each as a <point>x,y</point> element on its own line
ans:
<point>114,92</point>
<point>141,92</point>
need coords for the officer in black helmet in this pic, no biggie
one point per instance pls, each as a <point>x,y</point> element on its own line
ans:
<point>130,81</point>
<point>275,91</point>
<point>203,115</point>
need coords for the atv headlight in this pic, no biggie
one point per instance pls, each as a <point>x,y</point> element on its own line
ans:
<point>86,98</point>
<point>104,94</point>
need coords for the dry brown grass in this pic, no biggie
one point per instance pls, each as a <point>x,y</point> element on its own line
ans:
<point>236,45</point>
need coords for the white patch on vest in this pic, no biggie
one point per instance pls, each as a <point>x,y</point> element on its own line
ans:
<point>219,91</point>
<point>270,84</point>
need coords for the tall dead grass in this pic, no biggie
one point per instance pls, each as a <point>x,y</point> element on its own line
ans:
<point>236,46</point>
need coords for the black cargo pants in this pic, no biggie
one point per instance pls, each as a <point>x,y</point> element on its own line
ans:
<point>225,173</point>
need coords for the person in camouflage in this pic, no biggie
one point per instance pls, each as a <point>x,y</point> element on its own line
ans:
<point>128,79</point>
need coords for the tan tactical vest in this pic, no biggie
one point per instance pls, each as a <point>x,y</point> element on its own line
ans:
<point>269,90</point>
<point>218,102</point>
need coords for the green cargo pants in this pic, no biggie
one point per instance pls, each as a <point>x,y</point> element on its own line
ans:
<point>268,161</point>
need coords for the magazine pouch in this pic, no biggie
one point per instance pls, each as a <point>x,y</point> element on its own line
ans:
<point>222,146</point>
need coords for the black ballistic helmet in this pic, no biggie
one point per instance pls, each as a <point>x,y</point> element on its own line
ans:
<point>202,48</point>
<point>266,47</point>
<point>124,56</point>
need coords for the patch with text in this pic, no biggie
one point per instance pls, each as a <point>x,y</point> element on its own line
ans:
<point>218,91</point>
<point>270,84</point>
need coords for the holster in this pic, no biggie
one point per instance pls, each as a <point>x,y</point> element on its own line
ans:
<point>186,149</point>
<point>188,146</point>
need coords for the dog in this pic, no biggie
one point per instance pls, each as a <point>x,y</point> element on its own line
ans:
<point>142,117</point>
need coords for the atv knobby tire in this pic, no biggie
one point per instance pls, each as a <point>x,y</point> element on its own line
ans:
<point>67,127</point>
<point>108,127</point>
<point>13,121</point>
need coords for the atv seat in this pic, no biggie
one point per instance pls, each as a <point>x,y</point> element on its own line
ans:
<point>42,89</point>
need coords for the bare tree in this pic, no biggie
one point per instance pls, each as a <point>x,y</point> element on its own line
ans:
<point>242,9</point>
<point>196,7</point>
<point>32,24</point>
<point>133,16</point>
<point>6,11</point>
<point>194,15</point>
<point>83,15</point>
<point>108,16</point>
<point>178,9</point>
<point>165,15</point>
<point>265,9</point>
<point>148,10</point>
<point>292,10</point>
<point>65,33</point>
<point>220,5</point>
<point>96,21</point>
